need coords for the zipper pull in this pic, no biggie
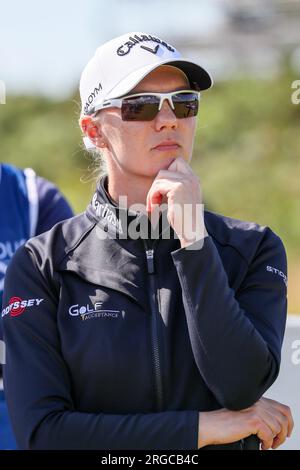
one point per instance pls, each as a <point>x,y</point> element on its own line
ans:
<point>150,261</point>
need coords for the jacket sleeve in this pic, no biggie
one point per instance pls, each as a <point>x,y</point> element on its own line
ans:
<point>38,387</point>
<point>236,337</point>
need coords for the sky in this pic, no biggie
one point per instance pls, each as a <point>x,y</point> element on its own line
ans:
<point>45,45</point>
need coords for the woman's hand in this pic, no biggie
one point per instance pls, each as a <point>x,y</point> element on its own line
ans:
<point>182,190</point>
<point>270,420</point>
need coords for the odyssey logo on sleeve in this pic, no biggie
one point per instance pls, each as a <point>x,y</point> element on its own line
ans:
<point>17,306</point>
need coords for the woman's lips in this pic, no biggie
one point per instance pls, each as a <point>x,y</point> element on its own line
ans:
<point>165,147</point>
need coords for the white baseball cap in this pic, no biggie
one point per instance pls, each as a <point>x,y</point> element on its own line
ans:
<point>121,63</point>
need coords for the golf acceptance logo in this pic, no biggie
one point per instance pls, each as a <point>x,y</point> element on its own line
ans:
<point>86,312</point>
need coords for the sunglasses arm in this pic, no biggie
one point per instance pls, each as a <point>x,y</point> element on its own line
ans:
<point>115,103</point>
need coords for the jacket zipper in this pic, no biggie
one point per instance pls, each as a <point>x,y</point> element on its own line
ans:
<point>154,324</point>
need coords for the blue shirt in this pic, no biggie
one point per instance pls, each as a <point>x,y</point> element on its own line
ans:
<point>29,205</point>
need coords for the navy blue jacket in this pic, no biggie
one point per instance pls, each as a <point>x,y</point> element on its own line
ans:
<point>118,343</point>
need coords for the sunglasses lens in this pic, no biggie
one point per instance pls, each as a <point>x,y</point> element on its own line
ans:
<point>185,105</point>
<point>141,108</point>
<point>145,108</point>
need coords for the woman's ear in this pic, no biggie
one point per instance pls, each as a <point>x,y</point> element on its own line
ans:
<point>91,129</point>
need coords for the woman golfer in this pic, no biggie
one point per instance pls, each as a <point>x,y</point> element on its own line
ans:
<point>145,322</point>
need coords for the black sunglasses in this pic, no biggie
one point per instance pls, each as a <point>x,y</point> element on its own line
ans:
<point>145,106</point>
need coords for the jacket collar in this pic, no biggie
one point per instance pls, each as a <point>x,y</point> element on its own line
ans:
<point>121,222</point>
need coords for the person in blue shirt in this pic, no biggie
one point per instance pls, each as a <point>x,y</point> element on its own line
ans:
<point>29,205</point>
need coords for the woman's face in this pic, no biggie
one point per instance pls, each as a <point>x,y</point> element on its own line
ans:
<point>132,146</point>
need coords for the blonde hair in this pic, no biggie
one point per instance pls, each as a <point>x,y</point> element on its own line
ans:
<point>98,166</point>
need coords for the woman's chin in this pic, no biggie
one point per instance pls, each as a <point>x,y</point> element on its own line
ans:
<point>166,161</point>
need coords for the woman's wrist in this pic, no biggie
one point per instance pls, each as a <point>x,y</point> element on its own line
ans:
<point>202,429</point>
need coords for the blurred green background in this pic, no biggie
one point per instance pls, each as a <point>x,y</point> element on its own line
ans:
<point>246,154</point>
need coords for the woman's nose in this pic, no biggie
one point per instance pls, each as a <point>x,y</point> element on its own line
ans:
<point>166,117</point>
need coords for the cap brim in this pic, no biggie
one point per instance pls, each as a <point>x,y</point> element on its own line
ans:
<point>199,78</point>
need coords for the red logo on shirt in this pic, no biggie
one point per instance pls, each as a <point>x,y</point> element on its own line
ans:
<point>16,309</point>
